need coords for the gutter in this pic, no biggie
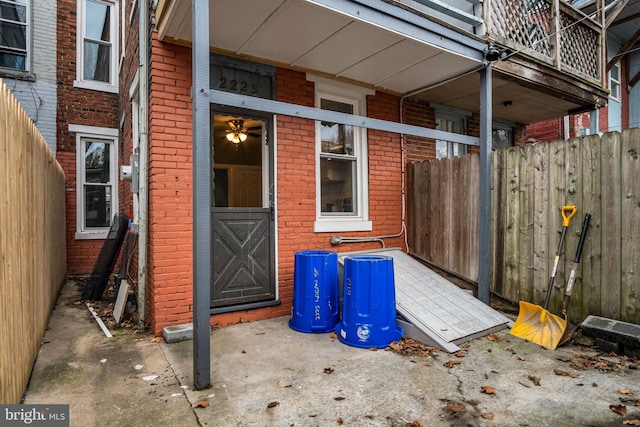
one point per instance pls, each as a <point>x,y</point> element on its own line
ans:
<point>143,195</point>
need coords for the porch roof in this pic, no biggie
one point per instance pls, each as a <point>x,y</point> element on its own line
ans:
<point>366,41</point>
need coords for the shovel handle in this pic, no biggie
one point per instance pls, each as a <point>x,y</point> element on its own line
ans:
<point>576,262</point>
<point>567,213</point>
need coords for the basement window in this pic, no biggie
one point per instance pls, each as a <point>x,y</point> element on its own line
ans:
<point>96,180</point>
<point>342,202</point>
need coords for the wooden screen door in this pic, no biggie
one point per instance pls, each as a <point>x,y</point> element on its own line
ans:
<point>242,217</point>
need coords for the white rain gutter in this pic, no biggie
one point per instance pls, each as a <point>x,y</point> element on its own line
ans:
<point>143,196</point>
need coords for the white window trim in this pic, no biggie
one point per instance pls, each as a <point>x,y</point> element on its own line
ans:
<point>83,132</point>
<point>618,82</point>
<point>79,82</point>
<point>357,96</point>
<point>29,56</point>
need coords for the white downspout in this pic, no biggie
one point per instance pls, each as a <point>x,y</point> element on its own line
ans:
<point>143,111</point>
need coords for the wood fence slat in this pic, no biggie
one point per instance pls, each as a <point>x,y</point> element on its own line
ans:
<point>512,211</point>
<point>591,260</point>
<point>630,227</point>
<point>542,258</point>
<point>573,197</point>
<point>499,203</point>
<point>610,223</point>
<point>473,188</point>
<point>525,223</point>
<point>557,199</point>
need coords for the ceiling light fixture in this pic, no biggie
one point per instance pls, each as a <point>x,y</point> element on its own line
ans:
<point>237,132</point>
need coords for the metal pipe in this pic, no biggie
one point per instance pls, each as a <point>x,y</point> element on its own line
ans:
<point>143,133</point>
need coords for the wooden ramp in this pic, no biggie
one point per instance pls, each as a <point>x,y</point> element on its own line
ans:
<point>433,310</point>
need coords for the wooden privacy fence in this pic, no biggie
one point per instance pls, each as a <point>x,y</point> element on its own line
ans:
<point>32,243</point>
<point>530,184</point>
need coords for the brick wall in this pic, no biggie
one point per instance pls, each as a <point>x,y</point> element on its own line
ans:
<point>170,220</point>
<point>169,286</point>
<point>418,113</point>
<point>80,107</point>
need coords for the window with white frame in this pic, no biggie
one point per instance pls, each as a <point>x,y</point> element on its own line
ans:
<point>502,134</point>
<point>96,180</point>
<point>97,44</point>
<point>15,34</point>
<point>614,82</point>
<point>342,170</point>
<point>453,121</point>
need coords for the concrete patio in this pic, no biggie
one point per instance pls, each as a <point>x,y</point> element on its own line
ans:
<point>265,374</point>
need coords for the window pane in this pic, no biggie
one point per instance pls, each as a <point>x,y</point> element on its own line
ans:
<point>459,149</point>
<point>501,138</point>
<point>96,161</point>
<point>337,185</point>
<point>336,138</point>
<point>97,212</point>
<point>615,72</point>
<point>14,12</point>
<point>441,150</point>
<point>13,35</point>
<point>98,21</point>
<point>8,60</point>
<point>97,60</point>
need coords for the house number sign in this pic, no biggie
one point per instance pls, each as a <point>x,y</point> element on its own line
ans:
<point>242,77</point>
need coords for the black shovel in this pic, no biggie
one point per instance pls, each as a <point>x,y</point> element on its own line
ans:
<point>570,329</point>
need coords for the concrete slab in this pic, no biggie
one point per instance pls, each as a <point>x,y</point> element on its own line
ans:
<point>266,374</point>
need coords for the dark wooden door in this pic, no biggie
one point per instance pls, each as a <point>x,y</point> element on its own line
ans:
<point>242,222</point>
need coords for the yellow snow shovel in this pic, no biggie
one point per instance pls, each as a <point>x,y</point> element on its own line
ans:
<point>535,323</point>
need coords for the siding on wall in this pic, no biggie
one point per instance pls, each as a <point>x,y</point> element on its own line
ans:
<point>38,98</point>
<point>634,94</point>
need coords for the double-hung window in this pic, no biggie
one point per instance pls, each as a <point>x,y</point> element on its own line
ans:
<point>341,153</point>
<point>96,180</point>
<point>15,18</point>
<point>97,44</point>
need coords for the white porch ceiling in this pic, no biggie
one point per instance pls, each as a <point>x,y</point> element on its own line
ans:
<point>313,37</point>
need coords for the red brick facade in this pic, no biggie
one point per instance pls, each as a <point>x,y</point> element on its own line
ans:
<point>78,107</point>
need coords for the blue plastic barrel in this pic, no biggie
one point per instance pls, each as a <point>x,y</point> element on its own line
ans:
<point>315,292</point>
<point>369,303</point>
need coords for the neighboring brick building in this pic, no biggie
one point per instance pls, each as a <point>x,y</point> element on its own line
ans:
<point>87,123</point>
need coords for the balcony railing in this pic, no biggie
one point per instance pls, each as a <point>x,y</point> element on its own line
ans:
<point>550,31</point>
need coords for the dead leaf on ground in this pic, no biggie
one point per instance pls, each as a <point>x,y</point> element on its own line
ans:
<point>328,370</point>
<point>487,389</point>
<point>487,415</point>
<point>415,423</point>
<point>333,336</point>
<point>460,353</point>
<point>201,404</point>
<point>492,337</point>
<point>156,339</point>
<point>339,398</point>
<point>626,391</point>
<point>455,408</point>
<point>618,409</point>
<point>536,380</point>
<point>628,401</point>
<point>520,358</point>
<point>409,347</point>
<point>564,358</point>
<point>273,404</point>
<point>565,373</point>
<point>451,363</point>
<point>631,422</point>
<point>340,420</point>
